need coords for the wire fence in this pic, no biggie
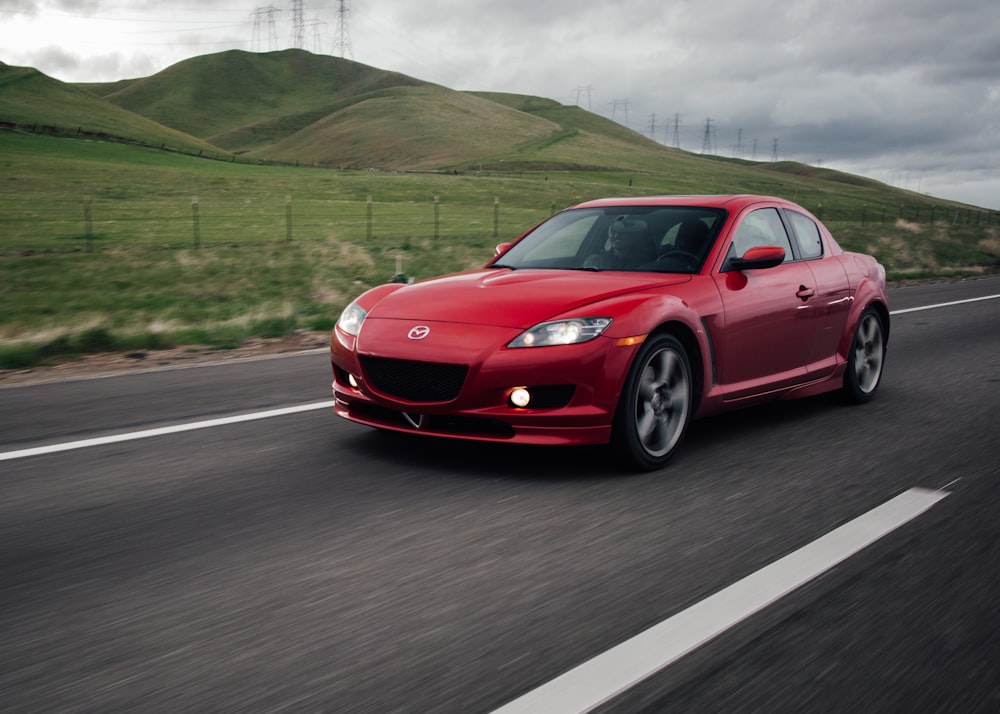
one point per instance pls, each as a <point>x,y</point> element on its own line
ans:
<point>87,223</point>
<point>90,224</point>
<point>914,213</point>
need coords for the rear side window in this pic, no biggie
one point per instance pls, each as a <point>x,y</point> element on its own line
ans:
<point>806,230</point>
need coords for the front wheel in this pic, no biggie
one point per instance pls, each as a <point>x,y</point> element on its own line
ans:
<point>655,405</point>
<point>866,358</point>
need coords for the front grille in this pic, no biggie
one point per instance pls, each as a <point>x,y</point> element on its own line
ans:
<point>414,381</point>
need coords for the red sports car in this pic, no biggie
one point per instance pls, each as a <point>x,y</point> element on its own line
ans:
<point>618,321</point>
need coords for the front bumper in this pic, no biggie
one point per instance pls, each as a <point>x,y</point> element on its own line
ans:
<point>575,388</point>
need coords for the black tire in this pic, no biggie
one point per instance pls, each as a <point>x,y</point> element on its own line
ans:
<point>655,404</point>
<point>865,359</point>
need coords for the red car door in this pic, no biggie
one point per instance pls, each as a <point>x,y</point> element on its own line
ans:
<point>770,324</point>
<point>832,301</point>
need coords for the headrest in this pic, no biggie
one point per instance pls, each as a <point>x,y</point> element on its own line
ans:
<point>626,225</point>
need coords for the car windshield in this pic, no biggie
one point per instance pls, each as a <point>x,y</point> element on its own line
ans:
<point>665,239</point>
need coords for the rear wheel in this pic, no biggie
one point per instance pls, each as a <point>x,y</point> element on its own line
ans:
<point>866,358</point>
<point>655,404</point>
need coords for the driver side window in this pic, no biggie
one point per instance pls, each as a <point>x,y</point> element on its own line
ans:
<point>761,227</point>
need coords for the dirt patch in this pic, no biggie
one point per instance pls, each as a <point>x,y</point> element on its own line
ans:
<point>114,363</point>
<point>909,226</point>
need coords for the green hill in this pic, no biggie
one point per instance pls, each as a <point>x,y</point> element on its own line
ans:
<point>298,108</point>
<point>294,106</point>
<point>412,128</point>
<point>38,102</point>
<point>222,97</point>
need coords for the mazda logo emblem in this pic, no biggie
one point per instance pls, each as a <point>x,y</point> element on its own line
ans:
<point>419,332</point>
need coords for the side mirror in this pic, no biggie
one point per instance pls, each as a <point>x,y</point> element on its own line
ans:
<point>758,257</point>
<point>501,248</point>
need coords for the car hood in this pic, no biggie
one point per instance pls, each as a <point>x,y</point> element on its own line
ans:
<point>511,298</point>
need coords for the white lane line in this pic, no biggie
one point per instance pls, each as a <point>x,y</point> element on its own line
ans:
<point>943,304</point>
<point>53,448</point>
<point>599,680</point>
<point>160,431</point>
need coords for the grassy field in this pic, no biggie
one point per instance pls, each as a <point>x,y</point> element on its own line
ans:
<point>107,244</point>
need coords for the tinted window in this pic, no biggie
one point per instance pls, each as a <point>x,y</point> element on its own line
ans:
<point>807,232</point>
<point>630,237</point>
<point>761,227</point>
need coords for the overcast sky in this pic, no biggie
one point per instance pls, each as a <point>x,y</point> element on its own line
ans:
<point>903,91</point>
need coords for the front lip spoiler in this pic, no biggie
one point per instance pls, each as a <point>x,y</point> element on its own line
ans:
<point>471,428</point>
<point>431,424</point>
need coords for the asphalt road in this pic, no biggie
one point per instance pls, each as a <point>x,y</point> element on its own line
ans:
<point>301,563</point>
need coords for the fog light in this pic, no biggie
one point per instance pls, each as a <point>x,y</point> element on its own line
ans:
<point>352,381</point>
<point>519,397</point>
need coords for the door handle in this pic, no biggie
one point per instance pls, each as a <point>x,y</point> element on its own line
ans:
<point>804,293</point>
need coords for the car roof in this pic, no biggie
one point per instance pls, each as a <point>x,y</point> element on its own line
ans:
<point>728,201</point>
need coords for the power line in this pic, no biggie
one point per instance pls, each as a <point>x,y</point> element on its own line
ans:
<point>260,14</point>
<point>706,141</point>
<point>342,41</point>
<point>298,25</point>
<point>315,24</point>
<point>615,103</point>
<point>580,90</point>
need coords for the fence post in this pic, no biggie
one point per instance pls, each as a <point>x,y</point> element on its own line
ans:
<point>288,219</point>
<point>864,209</point>
<point>369,218</point>
<point>437,217</point>
<point>88,224</point>
<point>496,217</point>
<point>196,221</point>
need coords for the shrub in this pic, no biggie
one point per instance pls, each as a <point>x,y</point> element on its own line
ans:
<point>96,339</point>
<point>19,356</point>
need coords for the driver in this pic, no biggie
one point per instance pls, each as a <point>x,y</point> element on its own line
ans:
<point>629,246</point>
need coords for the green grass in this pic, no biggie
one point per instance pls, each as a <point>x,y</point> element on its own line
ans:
<point>132,277</point>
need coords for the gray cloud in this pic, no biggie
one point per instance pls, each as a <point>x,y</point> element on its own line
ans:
<point>12,7</point>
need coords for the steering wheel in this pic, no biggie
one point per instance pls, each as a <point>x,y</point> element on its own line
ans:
<point>683,255</point>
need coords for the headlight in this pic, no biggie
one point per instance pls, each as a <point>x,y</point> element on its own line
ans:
<point>562,332</point>
<point>351,318</point>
